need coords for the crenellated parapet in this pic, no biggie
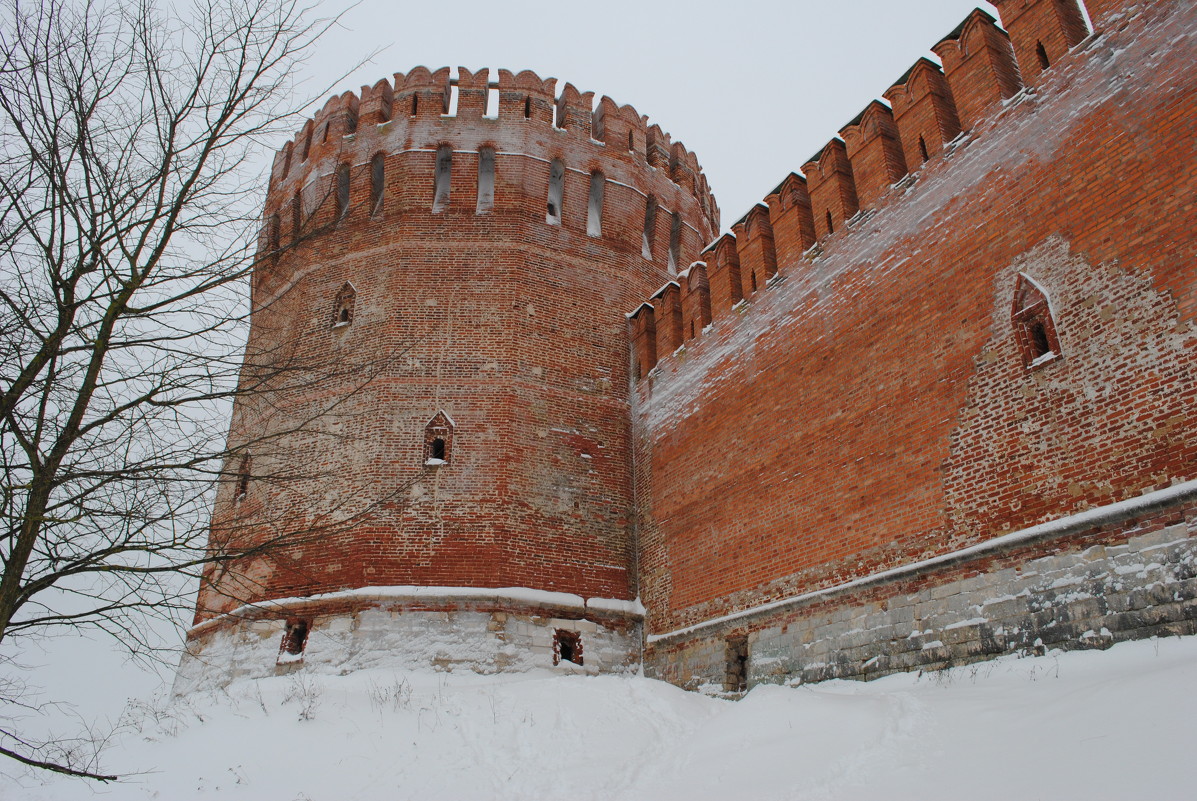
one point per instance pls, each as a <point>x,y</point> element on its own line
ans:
<point>407,120</point>
<point>979,64</point>
<point>866,166</point>
<point>924,111</point>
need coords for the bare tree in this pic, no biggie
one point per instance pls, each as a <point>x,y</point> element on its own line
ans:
<point>129,197</point>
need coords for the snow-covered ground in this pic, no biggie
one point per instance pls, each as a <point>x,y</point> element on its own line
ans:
<point>1117,724</point>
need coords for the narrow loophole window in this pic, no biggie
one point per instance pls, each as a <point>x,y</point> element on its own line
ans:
<point>650,228</point>
<point>274,236</point>
<point>527,108</point>
<point>567,647</point>
<point>415,104</point>
<point>378,181</point>
<point>752,280</point>
<point>1041,52</point>
<point>437,451</point>
<point>343,310</point>
<point>342,190</point>
<point>243,474</point>
<point>675,242</point>
<point>486,180</point>
<point>594,209</point>
<point>631,141</point>
<point>324,133</point>
<point>307,144</point>
<point>923,148</point>
<point>444,170</point>
<point>350,122</point>
<point>556,192</point>
<point>830,224</point>
<point>1038,339</point>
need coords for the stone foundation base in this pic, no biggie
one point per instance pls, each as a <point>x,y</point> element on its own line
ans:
<point>485,631</point>
<point>1087,583</point>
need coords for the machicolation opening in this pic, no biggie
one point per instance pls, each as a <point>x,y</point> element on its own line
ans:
<point>556,192</point>
<point>378,178</point>
<point>443,180</point>
<point>594,208</point>
<point>486,180</point>
<point>342,191</point>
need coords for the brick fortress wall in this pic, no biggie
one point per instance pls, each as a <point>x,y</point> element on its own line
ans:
<point>971,317</point>
<point>437,371</point>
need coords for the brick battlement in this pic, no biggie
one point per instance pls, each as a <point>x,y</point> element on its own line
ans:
<point>872,160</point>
<point>412,114</point>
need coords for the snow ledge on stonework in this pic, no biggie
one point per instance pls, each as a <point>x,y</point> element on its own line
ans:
<point>631,608</point>
<point>515,595</point>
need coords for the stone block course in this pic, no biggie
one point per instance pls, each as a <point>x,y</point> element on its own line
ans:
<point>982,624</point>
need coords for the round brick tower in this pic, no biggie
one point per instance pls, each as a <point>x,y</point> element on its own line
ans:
<point>434,450</point>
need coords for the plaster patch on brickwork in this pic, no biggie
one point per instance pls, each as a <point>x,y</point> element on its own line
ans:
<point>1032,442</point>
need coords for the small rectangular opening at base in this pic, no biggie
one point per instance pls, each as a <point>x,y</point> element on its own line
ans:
<point>567,647</point>
<point>735,679</point>
<point>295,639</point>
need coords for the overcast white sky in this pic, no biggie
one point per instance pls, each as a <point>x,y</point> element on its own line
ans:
<point>753,87</point>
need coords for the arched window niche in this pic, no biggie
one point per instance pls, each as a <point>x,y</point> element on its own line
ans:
<point>1034,325</point>
<point>438,440</point>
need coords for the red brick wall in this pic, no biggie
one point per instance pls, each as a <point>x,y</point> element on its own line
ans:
<point>875,408</point>
<point>513,327</point>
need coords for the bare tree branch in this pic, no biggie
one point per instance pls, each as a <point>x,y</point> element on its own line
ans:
<point>129,224</point>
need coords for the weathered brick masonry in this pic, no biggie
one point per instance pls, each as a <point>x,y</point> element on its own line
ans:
<point>994,331</point>
<point>447,300</point>
<point>929,402</point>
